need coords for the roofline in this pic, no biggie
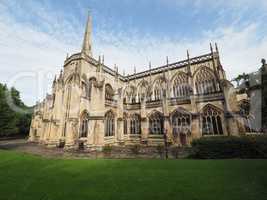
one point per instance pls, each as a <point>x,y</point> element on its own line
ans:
<point>153,71</point>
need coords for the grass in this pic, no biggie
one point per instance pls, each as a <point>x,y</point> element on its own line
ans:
<point>28,177</point>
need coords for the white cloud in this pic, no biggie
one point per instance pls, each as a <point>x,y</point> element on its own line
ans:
<point>25,49</point>
<point>240,49</point>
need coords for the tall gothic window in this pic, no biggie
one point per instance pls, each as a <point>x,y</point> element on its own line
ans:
<point>157,92</point>
<point>125,125</point>
<point>181,123</point>
<point>135,124</point>
<point>133,98</point>
<point>91,82</point>
<point>205,82</point>
<point>109,124</point>
<point>159,89</point>
<point>85,90</point>
<point>181,87</point>
<point>130,94</point>
<point>156,123</point>
<point>142,91</point>
<point>109,93</point>
<point>84,125</point>
<point>211,121</point>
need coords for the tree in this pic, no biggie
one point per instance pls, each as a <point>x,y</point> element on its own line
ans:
<point>12,122</point>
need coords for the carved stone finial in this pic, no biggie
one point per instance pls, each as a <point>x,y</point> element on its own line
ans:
<point>263,61</point>
<point>187,53</point>
<point>216,47</point>
<point>103,59</point>
<point>167,60</point>
<point>211,48</point>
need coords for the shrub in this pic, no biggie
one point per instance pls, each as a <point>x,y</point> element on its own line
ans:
<point>230,147</point>
<point>136,149</point>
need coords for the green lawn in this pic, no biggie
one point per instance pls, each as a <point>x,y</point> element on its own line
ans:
<point>29,177</point>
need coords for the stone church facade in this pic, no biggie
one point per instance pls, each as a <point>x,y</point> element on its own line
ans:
<point>92,105</point>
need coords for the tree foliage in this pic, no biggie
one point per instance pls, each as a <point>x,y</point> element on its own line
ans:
<point>13,121</point>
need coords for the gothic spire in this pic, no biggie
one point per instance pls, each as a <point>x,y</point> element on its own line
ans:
<point>87,43</point>
<point>150,68</point>
<point>216,47</point>
<point>211,48</point>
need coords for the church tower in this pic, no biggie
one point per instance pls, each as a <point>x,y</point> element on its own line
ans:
<point>87,42</point>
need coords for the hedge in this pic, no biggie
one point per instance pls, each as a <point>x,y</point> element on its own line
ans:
<point>230,147</point>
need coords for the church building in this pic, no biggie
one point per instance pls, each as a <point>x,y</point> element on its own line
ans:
<point>92,105</point>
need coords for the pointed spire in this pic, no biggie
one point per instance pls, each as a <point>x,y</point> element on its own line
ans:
<point>216,47</point>
<point>211,48</point>
<point>150,75</point>
<point>87,43</point>
<point>99,64</point>
<point>55,79</point>
<point>188,56</point>
<point>60,75</point>
<point>134,74</point>
<point>189,64</point>
<point>67,56</point>
<point>116,71</point>
<point>103,59</point>
<point>167,68</point>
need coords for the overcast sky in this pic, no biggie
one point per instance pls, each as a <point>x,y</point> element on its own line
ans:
<point>36,35</point>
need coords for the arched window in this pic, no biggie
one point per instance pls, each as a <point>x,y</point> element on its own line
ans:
<point>181,87</point>
<point>85,90</point>
<point>156,123</point>
<point>109,93</point>
<point>142,91</point>
<point>84,125</point>
<point>135,124</point>
<point>157,93</point>
<point>91,82</point>
<point>205,82</point>
<point>109,124</point>
<point>125,125</point>
<point>211,121</point>
<point>130,94</point>
<point>159,90</point>
<point>181,123</point>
